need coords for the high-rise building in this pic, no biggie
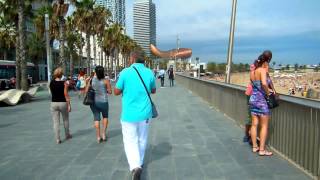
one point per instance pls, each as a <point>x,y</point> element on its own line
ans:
<point>117,9</point>
<point>144,24</point>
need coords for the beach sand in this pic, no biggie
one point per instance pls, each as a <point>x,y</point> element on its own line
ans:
<point>282,81</point>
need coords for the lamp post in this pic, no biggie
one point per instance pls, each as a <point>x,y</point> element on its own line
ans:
<point>231,40</point>
<point>198,69</point>
<point>48,47</point>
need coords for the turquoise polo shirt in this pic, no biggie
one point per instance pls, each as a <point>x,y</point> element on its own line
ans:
<point>136,105</point>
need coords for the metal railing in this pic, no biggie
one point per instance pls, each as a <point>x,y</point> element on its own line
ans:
<point>294,129</point>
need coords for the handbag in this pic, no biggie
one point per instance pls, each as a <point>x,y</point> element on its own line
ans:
<point>153,106</point>
<point>272,100</point>
<point>89,97</point>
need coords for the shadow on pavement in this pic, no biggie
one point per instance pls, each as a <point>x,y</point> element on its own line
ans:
<point>113,133</point>
<point>7,125</point>
<point>159,151</point>
<point>82,132</point>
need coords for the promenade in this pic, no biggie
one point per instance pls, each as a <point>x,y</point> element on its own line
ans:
<point>189,140</point>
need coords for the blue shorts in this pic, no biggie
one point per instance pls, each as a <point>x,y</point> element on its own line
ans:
<point>100,107</point>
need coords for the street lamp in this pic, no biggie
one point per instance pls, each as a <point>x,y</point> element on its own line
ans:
<point>198,69</point>
<point>48,47</point>
<point>231,40</point>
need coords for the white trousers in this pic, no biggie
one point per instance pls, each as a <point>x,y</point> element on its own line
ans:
<point>135,136</point>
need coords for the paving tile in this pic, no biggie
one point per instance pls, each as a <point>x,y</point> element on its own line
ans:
<point>189,140</point>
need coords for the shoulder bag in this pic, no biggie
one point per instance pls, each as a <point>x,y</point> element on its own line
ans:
<point>89,97</point>
<point>154,109</point>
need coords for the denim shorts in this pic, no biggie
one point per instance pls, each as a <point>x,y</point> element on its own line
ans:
<point>100,107</point>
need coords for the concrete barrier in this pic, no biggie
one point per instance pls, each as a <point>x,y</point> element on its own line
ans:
<point>13,96</point>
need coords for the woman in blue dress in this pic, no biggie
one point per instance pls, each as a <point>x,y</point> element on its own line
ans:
<point>258,105</point>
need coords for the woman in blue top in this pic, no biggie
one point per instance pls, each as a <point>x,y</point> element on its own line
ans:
<point>102,88</point>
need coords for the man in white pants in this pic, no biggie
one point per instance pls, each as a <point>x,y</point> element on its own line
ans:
<point>136,110</point>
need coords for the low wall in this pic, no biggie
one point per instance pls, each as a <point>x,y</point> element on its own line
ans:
<point>294,125</point>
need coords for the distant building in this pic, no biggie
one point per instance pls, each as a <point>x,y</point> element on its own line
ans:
<point>117,9</point>
<point>144,24</point>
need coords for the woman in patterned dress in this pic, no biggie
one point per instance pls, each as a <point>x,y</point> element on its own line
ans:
<point>258,105</point>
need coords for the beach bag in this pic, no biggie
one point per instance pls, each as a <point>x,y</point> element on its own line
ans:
<point>89,97</point>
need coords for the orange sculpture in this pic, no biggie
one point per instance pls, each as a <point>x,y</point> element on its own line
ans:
<point>182,53</point>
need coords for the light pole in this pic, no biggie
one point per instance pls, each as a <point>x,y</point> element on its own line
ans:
<point>48,47</point>
<point>231,40</point>
<point>198,69</point>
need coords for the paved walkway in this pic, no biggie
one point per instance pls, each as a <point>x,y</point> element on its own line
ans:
<point>188,141</point>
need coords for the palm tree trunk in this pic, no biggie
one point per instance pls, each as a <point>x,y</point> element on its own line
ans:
<point>105,60</point>
<point>108,63</point>
<point>5,55</point>
<point>88,53</point>
<point>80,58</point>
<point>61,47</point>
<point>94,49</point>
<point>71,65</point>
<point>117,60</point>
<point>22,45</point>
<point>101,56</point>
<point>18,64</point>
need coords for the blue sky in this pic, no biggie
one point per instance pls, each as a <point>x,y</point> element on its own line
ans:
<point>290,28</point>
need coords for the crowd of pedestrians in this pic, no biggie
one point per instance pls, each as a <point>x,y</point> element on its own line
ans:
<point>162,74</point>
<point>135,83</point>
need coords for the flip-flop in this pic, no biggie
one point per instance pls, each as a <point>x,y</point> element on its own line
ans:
<point>255,149</point>
<point>265,153</point>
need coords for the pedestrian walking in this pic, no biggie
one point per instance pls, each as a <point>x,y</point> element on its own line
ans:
<point>60,104</point>
<point>171,76</point>
<point>260,111</point>
<point>81,79</point>
<point>161,76</point>
<point>102,88</point>
<point>136,110</point>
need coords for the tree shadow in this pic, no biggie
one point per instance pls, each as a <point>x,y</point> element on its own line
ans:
<point>82,132</point>
<point>7,125</point>
<point>157,152</point>
<point>113,133</point>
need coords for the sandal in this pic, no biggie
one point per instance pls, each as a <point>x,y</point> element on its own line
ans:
<point>265,153</point>
<point>68,136</point>
<point>104,137</point>
<point>99,140</point>
<point>255,149</point>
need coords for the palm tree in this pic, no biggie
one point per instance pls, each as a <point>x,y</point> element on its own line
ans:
<point>116,31</point>
<point>127,46</point>
<point>60,9</point>
<point>106,45</point>
<point>84,22</point>
<point>7,35</point>
<point>99,24</point>
<point>19,11</point>
<point>74,41</point>
<point>35,48</point>
<point>79,44</point>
